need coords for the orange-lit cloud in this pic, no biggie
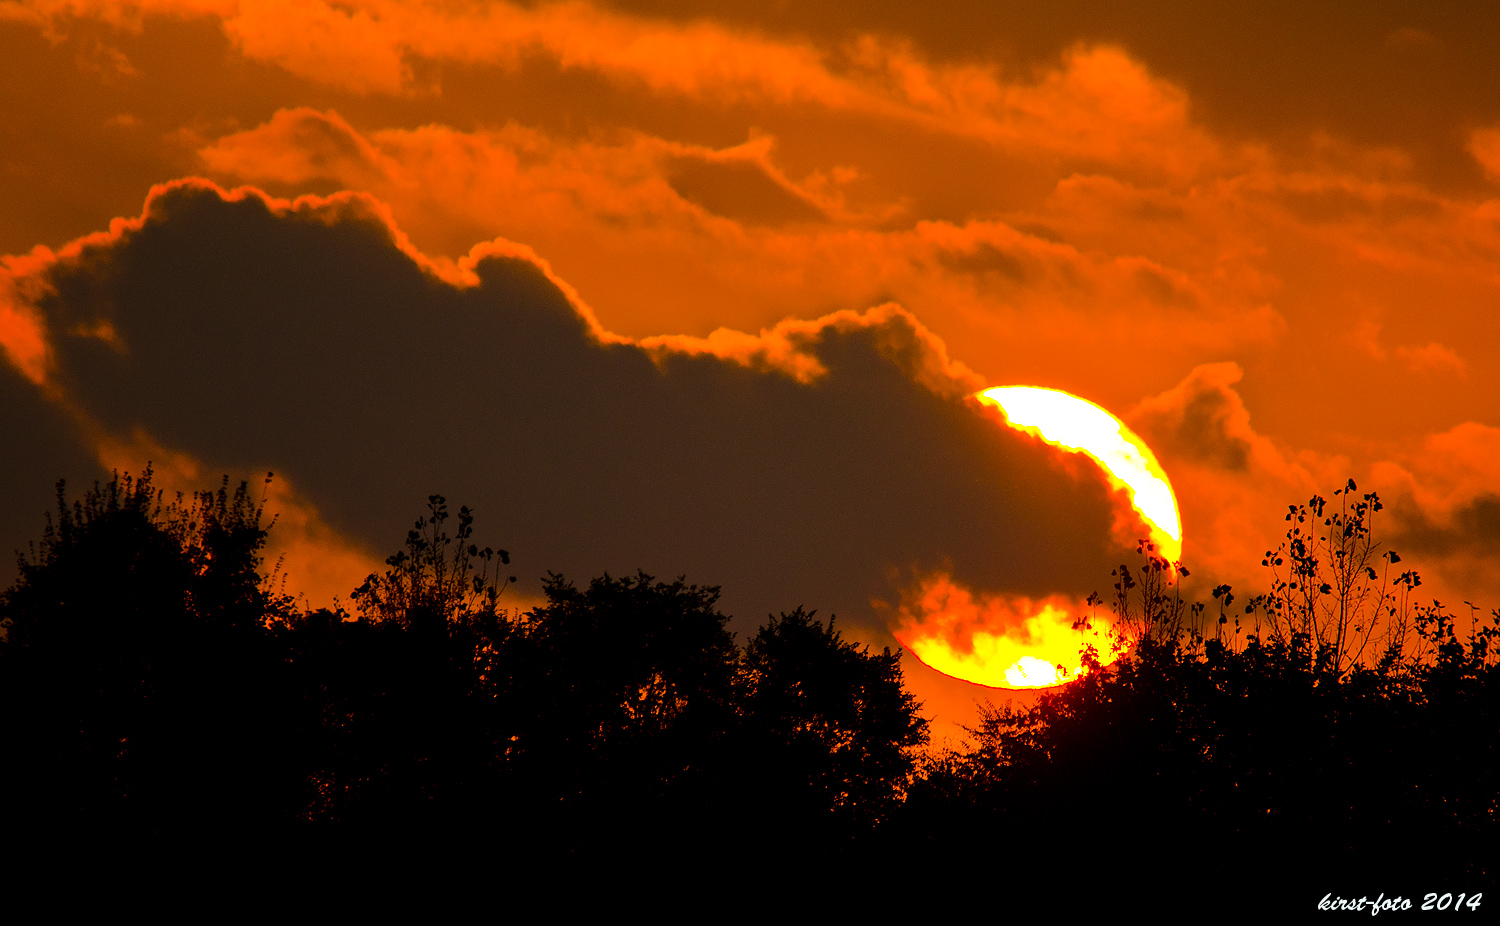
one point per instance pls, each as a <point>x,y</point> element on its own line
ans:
<point>1100,102</point>
<point>1439,498</point>
<point>1228,477</point>
<point>1484,144</point>
<point>21,333</point>
<point>1445,500</point>
<point>1433,357</point>
<point>611,220</point>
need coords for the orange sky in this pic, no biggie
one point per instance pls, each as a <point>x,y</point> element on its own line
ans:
<point>696,289</point>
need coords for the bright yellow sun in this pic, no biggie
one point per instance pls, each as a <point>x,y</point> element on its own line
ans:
<point>1080,426</point>
<point>1014,642</point>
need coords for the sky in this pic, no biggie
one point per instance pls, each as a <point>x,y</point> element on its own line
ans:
<point>707,289</point>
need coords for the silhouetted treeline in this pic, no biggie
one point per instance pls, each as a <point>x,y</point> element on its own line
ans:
<point>155,683</point>
<point>1334,736</point>
<point>1237,770</point>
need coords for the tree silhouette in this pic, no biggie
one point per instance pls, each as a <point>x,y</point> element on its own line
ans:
<point>409,705</point>
<point>1332,585</point>
<point>131,668</point>
<point>831,732</point>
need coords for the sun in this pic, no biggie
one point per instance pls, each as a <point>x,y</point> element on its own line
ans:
<point>1013,642</point>
<point>1079,426</point>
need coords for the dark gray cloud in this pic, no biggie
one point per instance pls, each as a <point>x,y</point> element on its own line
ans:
<point>1472,528</point>
<point>1201,420</point>
<point>307,342</point>
<point>41,446</point>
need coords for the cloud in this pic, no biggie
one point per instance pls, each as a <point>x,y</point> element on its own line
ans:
<point>1110,284</point>
<point>1473,526</point>
<point>1451,472</point>
<point>813,464</point>
<point>1095,103</point>
<point>610,217</point>
<point>735,199</point>
<point>1484,144</point>
<point>22,336</point>
<point>1227,476</point>
<point>1444,497</point>
<point>1202,419</point>
<point>643,178</point>
<point>45,445</point>
<point>1003,641</point>
<point>1441,496</point>
<point>297,147</point>
<point>1433,358</point>
<point>746,189</point>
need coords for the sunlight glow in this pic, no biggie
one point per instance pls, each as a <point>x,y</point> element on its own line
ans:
<point>1080,426</point>
<point>1000,641</point>
<point>1015,642</point>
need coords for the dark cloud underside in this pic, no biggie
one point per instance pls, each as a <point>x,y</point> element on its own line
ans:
<point>309,344</point>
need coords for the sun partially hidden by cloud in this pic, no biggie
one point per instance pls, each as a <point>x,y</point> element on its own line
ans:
<point>1081,426</point>
<point>1013,641</point>
<point>602,452</point>
<point>614,272</point>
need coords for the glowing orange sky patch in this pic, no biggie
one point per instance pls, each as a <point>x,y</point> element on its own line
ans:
<point>23,341</point>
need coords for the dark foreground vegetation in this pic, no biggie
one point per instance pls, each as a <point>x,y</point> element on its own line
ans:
<point>157,687</point>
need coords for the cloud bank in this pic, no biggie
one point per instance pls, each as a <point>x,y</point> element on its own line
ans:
<point>821,462</point>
